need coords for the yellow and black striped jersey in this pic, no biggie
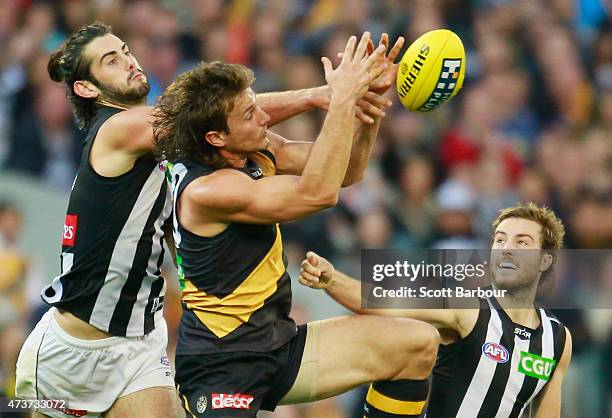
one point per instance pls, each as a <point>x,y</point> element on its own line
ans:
<point>236,292</point>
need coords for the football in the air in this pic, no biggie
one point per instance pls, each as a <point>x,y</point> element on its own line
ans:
<point>431,71</point>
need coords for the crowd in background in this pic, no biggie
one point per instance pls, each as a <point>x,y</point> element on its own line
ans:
<point>533,123</point>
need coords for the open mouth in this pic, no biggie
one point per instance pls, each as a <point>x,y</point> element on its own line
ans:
<point>506,265</point>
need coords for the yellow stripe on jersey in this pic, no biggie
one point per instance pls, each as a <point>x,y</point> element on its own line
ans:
<point>222,316</point>
<point>393,406</point>
<point>264,162</point>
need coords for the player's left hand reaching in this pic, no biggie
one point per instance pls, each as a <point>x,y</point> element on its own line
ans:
<point>386,79</point>
<point>316,271</point>
<point>373,102</point>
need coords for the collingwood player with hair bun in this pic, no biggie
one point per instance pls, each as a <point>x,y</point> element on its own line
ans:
<point>497,359</point>
<point>102,344</point>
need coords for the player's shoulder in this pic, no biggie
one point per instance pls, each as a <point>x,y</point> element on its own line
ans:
<point>221,184</point>
<point>126,125</point>
<point>133,117</point>
<point>553,318</point>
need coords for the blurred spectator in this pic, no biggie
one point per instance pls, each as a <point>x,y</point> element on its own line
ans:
<point>45,142</point>
<point>14,309</point>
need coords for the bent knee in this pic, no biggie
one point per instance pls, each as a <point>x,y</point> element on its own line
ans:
<point>420,350</point>
<point>426,351</point>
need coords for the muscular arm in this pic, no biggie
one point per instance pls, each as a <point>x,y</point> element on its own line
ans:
<point>361,151</point>
<point>347,291</point>
<point>548,402</point>
<point>283,105</point>
<point>291,156</point>
<point>231,196</point>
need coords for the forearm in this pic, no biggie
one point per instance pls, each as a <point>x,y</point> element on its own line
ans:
<point>283,105</point>
<point>346,291</point>
<point>363,144</point>
<point>326,167</point>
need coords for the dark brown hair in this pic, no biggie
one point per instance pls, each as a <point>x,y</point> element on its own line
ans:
<point>68,64</point>
<point>197,102</point>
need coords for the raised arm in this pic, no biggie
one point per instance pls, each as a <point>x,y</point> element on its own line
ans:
<point>230,196</point>
<point>367,133</point>
<point>283,105</point>
<point>291,156</point>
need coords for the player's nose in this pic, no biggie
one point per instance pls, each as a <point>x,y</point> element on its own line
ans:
<point>265,118</point>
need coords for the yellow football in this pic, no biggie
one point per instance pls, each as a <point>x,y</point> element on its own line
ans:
<point>431,71</point>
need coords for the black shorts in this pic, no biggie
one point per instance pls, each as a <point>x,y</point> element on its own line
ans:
<point>238,384</point>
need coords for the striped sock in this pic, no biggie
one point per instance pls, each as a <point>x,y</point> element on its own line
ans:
<point>399,398</point>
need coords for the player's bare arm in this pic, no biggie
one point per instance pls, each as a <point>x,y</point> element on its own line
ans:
<point>229,196</point>
<point>291,156</point>
<point>128,135</point>
<point>318,273</point>
<point>548,402</point>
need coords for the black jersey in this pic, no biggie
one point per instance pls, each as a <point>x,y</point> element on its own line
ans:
<point>236,292</point>
<point>112,245</point>
<point>498,368</point>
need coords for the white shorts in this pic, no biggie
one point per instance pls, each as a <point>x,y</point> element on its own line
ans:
<point>89,374</point>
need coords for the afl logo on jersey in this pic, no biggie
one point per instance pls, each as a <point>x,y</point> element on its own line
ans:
<point>495,352</point>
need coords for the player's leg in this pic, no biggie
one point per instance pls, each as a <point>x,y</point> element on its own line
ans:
<point>343,353</point>
<point>150,390</point>
<point>158,402</point>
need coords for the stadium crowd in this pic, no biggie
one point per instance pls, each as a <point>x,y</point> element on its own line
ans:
<point>533,123</point>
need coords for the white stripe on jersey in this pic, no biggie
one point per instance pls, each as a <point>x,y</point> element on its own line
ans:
<point>177,170</point>
<point>124,252</point>
<point>548,349</point>
<point>474,397</point>
<point>515,380</point>
<point>136,323</point>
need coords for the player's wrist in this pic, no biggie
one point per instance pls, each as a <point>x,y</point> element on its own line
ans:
<point>319,97</point>
<point>343,99</point>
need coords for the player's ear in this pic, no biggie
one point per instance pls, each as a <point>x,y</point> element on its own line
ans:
<point>86,89</point>
<point>214,138</point>
<point>546,261</point>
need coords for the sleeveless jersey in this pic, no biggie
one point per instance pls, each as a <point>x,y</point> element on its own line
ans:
<point>112,245</point>
<point>498,369</point>
<point>236,292</point>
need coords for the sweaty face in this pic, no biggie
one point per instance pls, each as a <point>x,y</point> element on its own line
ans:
<point>116,72</point>
<point>516,255</point>
<point>247,125</point>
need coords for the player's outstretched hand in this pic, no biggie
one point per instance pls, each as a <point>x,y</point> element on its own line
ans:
<point>352,78</point>
<point>386,79</point>
<point>370,106</point>
<point>316,272</point>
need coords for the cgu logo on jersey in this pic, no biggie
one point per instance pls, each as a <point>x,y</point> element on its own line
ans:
<point>536,366</point>
<point>495,352</point>
<point>70,230</point>
<point>237,401</point>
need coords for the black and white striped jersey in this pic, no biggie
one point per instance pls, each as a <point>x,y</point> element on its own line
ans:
<point>112,245</point>
<point>498,369</point>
